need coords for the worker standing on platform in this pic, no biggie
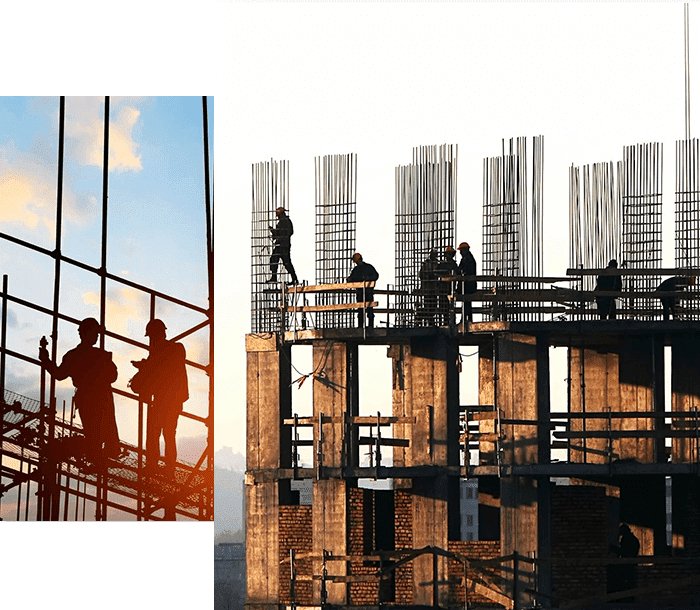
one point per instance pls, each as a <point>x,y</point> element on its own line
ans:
<point>165,387</point>
<point>606,305</point>
<point>282,238</point>
<point>92,372</point>
<point>447,268</point>
<point>672,284</point>
<point>467,266</point>
<point>363,272</point>
<point>429,288</point>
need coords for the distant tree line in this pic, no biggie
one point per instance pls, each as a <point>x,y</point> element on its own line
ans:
<point>229,536</point>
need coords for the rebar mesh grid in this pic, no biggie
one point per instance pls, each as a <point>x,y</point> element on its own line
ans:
<point>595,227</point>
<point>687,216</point>
<point>512,233</point>
<point>270,190</point>
<point>641,186</point>
<point>336,220</point>
<point>426,196</point>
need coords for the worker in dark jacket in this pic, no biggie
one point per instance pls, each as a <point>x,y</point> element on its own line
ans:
<point>93,372</point>
<point>673,284</point>
<point>281,237</point>
<point>446,268</point>
<point>623,577</point>
<point>606,305</point>
<point>165,390</point>
<point>428,288</point>
<point>467,266</point>
<point>363,272</point>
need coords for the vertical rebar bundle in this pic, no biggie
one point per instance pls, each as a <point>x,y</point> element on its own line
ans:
<point>426,197</point>
<point>512,228</point>
<point>270,191</point>
<point>336,220</point>
<point>687,217</point>
<point>641,193</point>
<point>596,226</point>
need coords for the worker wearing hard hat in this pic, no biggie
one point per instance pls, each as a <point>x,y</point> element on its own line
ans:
<point>447,267</point>
<point>165,388</point>
<point>669,304</point>
<point>467,266</point>
<point>428,288</point>
<point>363,272</point>
<point>281,237</point>
<point>92,372</point>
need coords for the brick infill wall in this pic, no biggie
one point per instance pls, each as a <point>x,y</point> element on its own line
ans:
<point>295,527</point>
<point>473,549</point>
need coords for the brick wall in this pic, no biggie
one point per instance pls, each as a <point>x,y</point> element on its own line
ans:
<point>579,529</point>
<point>295,533</point>
<point>403,513</point>
<point>360,508</point>
<point>473,549</point>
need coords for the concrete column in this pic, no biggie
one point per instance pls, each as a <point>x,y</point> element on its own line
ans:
<point>625,377</point>
<point>522,373</point>
<point>332,395</point>
<point>268,402</point>
<point>685,390</point>
<point>426,388</point>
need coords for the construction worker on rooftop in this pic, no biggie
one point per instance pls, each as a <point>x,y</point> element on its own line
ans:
<point>467,266</point>
<point>282,239</point>
<point>363,272</point>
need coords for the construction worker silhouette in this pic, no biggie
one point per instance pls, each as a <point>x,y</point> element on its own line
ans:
<point>606,305</point>
<point>446,268</point>
<point>363,272</point>
<point>624,577</point>
<point>669,304</point>
<point>282,238</point>
<point>165,389</point>
<point>92,372</point>
<point>428,288</point>
<point>467,266</point>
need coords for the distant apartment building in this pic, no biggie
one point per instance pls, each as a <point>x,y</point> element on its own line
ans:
<point>229,576</point>
<point>469,508</point>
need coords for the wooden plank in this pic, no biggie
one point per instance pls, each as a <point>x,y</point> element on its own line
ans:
<point>362,420</point>
<point>389,442</point>
<point>494,596</point>
<point>331,287</point>
<point>334,307</point>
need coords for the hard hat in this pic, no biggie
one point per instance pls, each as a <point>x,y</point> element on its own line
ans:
<point>464,244</point>
<point>89,324</point>
<point>155,325</point>
<point>356,257</point>
<point>449,249</point>
<point>279,209</point>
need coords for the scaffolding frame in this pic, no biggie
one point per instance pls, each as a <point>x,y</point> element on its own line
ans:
<point>38,447</point>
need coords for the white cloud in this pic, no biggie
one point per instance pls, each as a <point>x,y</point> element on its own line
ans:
<point>85,127</point>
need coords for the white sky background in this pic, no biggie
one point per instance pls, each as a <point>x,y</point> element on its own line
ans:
<point>304,80</point>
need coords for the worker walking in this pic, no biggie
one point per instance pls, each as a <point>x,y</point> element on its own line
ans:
<point>669,304</point>
<point>606,304</point>
<point>428,288</point>
<point>164,386</point>
<point>467,266</point>
<point>281,237</point>
<point>623,577</point>
<point>92,372</point>
<point>363,272</point>
<point>447,268</point>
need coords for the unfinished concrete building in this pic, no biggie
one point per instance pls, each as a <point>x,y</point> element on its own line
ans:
<point>555,481</point>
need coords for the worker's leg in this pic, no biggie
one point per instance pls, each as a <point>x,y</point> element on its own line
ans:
<point>169,429</point>
<point>274,262</point>
<point>153,430</point>
<point>287,260</point>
